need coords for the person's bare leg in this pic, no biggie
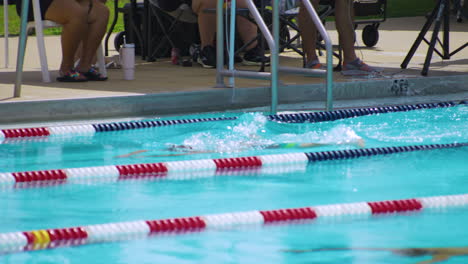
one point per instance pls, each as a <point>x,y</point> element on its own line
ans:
<point>345,28</point>
<point>72,17</point>
<point>79,52</point>
<point>97,24</point>
<point>308,32</point>
<point>206,21</point>
<point>247,29</point>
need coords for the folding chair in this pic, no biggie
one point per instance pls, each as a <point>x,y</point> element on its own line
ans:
<point>288,15</point>
<point>38,25</point>
<point>289,11</point>
<point>167,23</point>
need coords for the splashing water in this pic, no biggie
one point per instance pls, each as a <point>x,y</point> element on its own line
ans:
<point>249,134</point>
<point>238,138</point>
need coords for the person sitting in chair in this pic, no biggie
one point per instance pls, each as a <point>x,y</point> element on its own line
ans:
<point>352,65</point>
<point>207,27</point>
<point>83,21</point>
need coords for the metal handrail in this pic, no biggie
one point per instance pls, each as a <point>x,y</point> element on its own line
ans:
<point>328,47</point>
<point>221,72</point>
<point>273,44</point>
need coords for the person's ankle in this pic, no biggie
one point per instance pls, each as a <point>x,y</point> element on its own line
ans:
<point>251,47</point>
<point>314,64</point>
<point>82,68</point>
<point>350,60</point>
<point>64,70</point>
<point>313,60</point>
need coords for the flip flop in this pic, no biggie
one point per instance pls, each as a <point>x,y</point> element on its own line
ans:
<point>93,75</point>
<point>72,76</point>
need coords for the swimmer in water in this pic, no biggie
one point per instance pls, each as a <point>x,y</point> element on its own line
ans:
<point>437,254</point>
<point>189,150</point>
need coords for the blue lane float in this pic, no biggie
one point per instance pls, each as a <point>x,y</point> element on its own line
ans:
<point>118,126</point>
<point>365,152</point>
<point>314,117</point>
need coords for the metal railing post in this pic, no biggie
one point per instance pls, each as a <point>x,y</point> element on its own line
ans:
<point>274,57</point>
<point>232,41</point>
<point>21,47</point>
<point>219,44</point>
<point>328,46</point>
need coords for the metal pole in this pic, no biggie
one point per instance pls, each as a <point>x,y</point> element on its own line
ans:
<point>328,46</point>
<point>219,45</point>
<point>5,26</point>
<point>434,38</point>
<point>247,74</point>
<point>232,40</point>
<point>21,47</point>
<point>275,59</point>
<point>446,41</point>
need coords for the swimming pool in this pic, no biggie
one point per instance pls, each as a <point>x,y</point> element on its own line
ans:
<point>382,177</point>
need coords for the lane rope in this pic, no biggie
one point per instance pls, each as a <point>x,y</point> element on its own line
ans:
<point>350,113</point>
<point>90,130</point>
<point>111,232</point>
<point>194,168</point>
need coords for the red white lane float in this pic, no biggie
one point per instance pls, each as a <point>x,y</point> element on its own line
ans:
<point>73,236</point>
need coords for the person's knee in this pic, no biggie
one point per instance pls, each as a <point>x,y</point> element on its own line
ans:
<point>102,10</point>
<point>78,15</point>
<point>65,11</point>
<point>196,6</point>
<point>98,13</point>
<point>199,5</point>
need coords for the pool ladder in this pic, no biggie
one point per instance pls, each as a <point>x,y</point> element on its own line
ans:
<point>273,43</point>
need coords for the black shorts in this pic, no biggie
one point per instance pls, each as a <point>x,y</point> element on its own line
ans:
<point>170,5</point>
<point>44,6</point>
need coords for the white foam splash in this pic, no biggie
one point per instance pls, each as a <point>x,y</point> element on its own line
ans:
<point>248,135</point>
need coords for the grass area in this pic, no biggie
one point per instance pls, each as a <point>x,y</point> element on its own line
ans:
<point>406,8</point>
<point>395,8</point>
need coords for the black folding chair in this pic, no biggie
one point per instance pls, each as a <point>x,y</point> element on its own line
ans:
<point>170,29</point>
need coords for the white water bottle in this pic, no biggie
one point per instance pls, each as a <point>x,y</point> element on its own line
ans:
<point>127,59</point>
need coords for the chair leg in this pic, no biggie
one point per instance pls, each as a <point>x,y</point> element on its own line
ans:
<point>101,61</point>
<point>40,41</point>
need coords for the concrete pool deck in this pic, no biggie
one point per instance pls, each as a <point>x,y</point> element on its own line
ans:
<point>161,88</point>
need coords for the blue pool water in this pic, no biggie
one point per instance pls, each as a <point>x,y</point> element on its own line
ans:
<point>398,176</point>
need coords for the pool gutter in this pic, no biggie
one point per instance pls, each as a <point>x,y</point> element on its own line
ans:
<point>223,99</point>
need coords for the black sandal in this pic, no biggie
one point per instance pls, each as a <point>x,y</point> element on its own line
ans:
<point>94,75</point>
<point>72,76</point>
